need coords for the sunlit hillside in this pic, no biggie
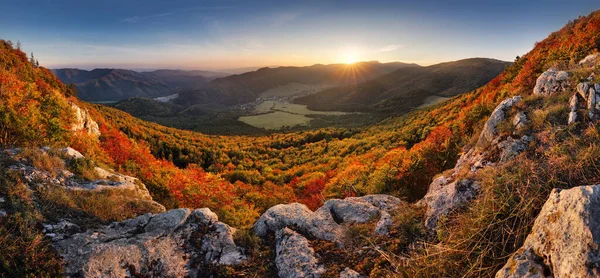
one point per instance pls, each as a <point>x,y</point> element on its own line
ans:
<point>243,179</point>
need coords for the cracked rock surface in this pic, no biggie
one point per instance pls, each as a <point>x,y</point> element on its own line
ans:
<point>162,244</point>
<point>564,240</point>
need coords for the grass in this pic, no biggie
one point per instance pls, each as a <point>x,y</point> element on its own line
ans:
<point>277,115</point>
<point>275,120</point>
<point>24,249</point>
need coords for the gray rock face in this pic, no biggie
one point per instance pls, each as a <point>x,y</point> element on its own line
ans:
<point>349,273</point>
<point>590,60</point>
<point>448,191</point>
<point>150,245</point>
<point>550,82</point>
<point>588,95</point>
<point>520,120</point>
<point>83,122</point>
<point>107,180</point>
<point>510,147</point>
<point>443,196</point>
<point>294,256</point>
<point>325,222</point>
<point>490,129</point>
<point>582,89</point>
<point>565,238</point>
<point>71,153</point>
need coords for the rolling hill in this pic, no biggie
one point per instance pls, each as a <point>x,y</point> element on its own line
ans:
<point>407,88</point>
<point>246,87</point>
<point>513,197</point>
<point>119,84</point>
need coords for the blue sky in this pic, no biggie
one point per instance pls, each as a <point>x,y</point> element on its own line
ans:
<point>233,34</point>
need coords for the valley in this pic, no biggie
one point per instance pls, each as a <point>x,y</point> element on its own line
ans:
<point>475,167</point>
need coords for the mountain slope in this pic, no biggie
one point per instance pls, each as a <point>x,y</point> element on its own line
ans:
<point>118,84</point>
<point>405,89</point>
<point>240,177</point>
<point>246,87</point>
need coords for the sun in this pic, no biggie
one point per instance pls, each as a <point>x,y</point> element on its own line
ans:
<point>349,55</point>
<point>350,59</point>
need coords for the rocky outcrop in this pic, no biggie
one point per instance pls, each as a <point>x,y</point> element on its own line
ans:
<point>294,257</point>
<point>490,129</point>
<point>105,179</point>
<point>292,223</point>
<point>551,81</point>
<point>83,122</point>
<point>444,195</point>
<point>169,244</point>
<point>565,238</point>
<point>587,97</point>
<point>325,222</point>
<point>453,189</point>
<point>590,60</point>
<point>349,273</point>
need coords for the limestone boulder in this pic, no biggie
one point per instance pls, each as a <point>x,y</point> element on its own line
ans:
<point>550,82</point>
<point>82,121</point>
<point>326,222</point>
<point>151,245</point>
<point>294,257</point>
<point>565,238</point>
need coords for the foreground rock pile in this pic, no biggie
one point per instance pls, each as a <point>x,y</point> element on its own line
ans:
<point>293,223</point>
<point>452,189</point>
<point>106,179</point>
<point>169,244</point>
<point>565,238</point>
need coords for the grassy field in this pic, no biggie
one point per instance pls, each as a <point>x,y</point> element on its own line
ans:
<point>276,120</point>
<point>431,100</point>
<point>277,114</point>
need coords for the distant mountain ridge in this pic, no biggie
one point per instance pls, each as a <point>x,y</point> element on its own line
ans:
<point>407,88</point>
<point>118,84</point>
<point>246,87</point>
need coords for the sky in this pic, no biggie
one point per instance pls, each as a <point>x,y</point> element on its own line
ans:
<point>215,35</point>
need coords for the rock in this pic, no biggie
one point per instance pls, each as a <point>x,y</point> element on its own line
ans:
<point>590,60</point>
<point>349,273</point>
<point>61,230</point>
<point>294,257</point>
<point>572,117</point>
<point>526,266</point>
<point>325,222</point>
<point>449,191</point>
<point>150,245</point>
<point>520,120</point>
<point>443,196</point>
<point>384,223</point>
<point>498,115</point>
<point>83,122</point>
<point>582,89</point>
<point>219,246</point>
<point>597,90</point>
<point>574,103</point>
<point>565,237</point>
<point>281,216</point>
<point>510,147</point>
<point>71,153</point>
<point>550,82</point>
<point>591,99</point>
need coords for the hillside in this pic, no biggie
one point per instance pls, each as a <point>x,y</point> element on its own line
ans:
<point>451,190</point>
<point>406,89</point>
<point>118,84</point>
<point>246,87</point>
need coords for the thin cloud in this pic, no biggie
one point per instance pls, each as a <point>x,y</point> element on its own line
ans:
<point>391,47</point>
<point>135,19</point>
